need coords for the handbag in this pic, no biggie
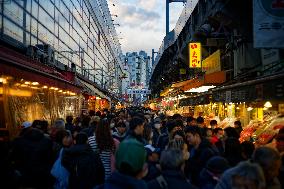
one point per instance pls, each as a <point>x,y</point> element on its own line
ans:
<point>60,173</point>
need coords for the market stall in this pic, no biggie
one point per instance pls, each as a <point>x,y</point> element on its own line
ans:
<point>28,100</point>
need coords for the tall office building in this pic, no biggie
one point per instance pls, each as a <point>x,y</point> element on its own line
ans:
<point>138,66</point>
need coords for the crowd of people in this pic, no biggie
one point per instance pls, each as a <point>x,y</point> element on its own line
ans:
<point>137,148</point>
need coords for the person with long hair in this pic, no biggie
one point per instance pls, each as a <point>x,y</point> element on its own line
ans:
<point>103,143</point>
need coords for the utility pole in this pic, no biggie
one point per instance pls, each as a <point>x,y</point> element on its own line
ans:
<point>153,56</point>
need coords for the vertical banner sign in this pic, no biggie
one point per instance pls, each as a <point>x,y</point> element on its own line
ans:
<point>194,55</point>
<point>268,23</point>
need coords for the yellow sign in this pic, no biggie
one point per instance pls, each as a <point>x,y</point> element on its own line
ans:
<point>281,108</point>
<point>194,55</point>
<point>212,63</point>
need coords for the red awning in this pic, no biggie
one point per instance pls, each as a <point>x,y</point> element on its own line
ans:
<point>19,66</point>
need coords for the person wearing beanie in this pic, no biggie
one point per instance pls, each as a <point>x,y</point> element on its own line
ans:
<point>130,167</point>
<point>213,171</point>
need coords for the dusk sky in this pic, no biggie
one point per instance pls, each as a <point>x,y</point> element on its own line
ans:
<point>142,22</point>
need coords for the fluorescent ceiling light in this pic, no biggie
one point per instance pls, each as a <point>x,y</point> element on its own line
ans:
<point>200,89</point>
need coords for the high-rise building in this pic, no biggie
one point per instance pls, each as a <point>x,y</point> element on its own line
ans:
<point>138,66</point>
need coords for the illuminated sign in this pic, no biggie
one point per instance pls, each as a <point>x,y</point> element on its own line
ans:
<point>195,55</point>
<point>212,63</point>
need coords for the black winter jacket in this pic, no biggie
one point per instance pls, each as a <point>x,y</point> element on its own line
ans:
<point>31,156</point>
<point>84,165</point>
<point>175,180</point>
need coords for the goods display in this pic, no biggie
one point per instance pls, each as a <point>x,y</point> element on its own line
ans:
<point>262,132</point>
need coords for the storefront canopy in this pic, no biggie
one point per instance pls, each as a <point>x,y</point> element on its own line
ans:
<point>20,67</point>
<point>93,90</point>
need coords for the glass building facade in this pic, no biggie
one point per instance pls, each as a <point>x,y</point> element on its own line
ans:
<point>72,27</point>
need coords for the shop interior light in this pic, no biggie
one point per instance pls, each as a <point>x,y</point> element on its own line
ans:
<point>249,109</point>
<point>98,98</point>
<point>265,108</point>
<point>268,104</point>
<point>27,82</point>
<point>3,80</point>
<point>16,92</point>
<point>64,92</point>
<point>35,83</point>
<point>60,91</point>
<point>200,89</point>
<point>56,89</point>
<point>24,85</point>
<point>45,87</point>
<point>238,108</point>
<point>52,88</point>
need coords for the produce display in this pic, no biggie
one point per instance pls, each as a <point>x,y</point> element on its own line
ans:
<point>262,132</point>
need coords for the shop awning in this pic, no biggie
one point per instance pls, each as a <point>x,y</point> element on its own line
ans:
<point>209,79</point>
<point>93,90</point>
<point>19,66</point>
<point>166,91</point>
<point>182,83</point>
<point>32,74</point>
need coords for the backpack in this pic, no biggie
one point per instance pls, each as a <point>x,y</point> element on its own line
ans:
<point>162,182</point>
<point>60,173</point>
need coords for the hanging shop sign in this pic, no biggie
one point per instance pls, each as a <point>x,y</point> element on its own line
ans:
<point>269,56</point>
<point>212,63</point>
<point>268,23</point>
<point>138,91</point>
<point>194,55</point>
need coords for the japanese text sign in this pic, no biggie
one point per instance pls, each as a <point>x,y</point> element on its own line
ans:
<point>195,55</point>
<point>268,23</point>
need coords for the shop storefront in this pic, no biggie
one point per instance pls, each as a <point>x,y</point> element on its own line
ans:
<point>258,104</point>
<point>95,100</point>
<point>33,91</point>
